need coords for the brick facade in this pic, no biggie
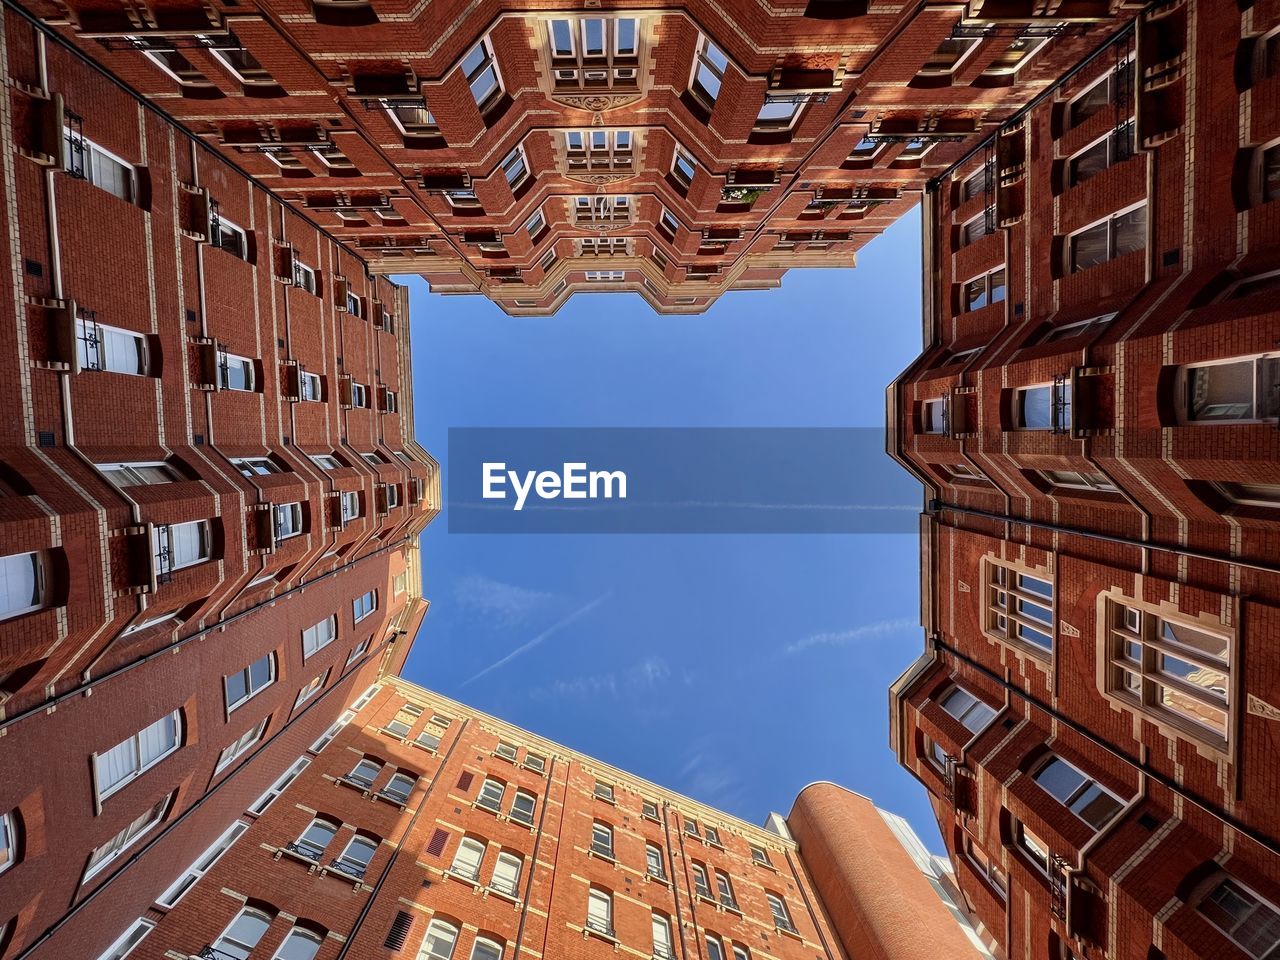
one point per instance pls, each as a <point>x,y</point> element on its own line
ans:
<point>1103,502</point>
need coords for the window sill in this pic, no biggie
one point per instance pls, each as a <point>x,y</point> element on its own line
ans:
<point>312,865</point>
<point>503,895</point>
<point>393,801</point>
<point>764,866</point>
<point>354,785</point>
<point>600,935</point>
<point>487,809</point>
<point>612,803</point>
<point>791,932</point>
<point>510,760</point>
<point>462,878</point>
<point>540,772</point>
<point>655,878</point>
<point>597,855</point>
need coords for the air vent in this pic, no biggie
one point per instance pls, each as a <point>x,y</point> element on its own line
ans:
<point>436,846</point>
<point>47,438</point>
<point>399,932</point>
<point>34,268</point>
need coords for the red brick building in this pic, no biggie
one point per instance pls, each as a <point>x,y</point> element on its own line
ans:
<point>528,154</point>
<point>417,827</point>
<point>1094,418</point>
<point>210,494</point>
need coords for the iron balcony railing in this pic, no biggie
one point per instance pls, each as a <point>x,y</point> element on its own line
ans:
<point>602,849</point>
<point>729,903</point>
<point>89,336</point>
<point>600,926</point>
<point>304,850</point>
<point>76,149</point>
<point>210,952</point>
<point>467,873</point>
<point>1057,886</point>
<point>354,870</point>
<point>164,555</point>
<point>499,886</point>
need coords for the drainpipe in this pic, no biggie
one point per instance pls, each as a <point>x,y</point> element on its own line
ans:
<point>675,886</point>
<point>533,860</point>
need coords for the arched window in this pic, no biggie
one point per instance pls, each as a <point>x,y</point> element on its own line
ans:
<point>490,796</point>
<point>439,942</point>
<point>486,949</point>
<point>355,859</point>
<point>662,938</point>
<point>506,874</point>
<point>522,807</point>
<point>315,838</point>
<point>715,949</point>
<point>243,934</point>
<point>466,862</point>
<point>365,772</point>
<point>300,944</point>
<point>600,912</point>
<point>602,839</point>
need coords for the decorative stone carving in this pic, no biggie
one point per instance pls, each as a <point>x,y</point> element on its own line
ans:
<point>599,178</point>
<point>1067,630</point>
<point>595,102</point>
<point>1260,708</point>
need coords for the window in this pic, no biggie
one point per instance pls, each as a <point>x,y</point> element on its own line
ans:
<point>600,912</point>
<point>127,941</point>
<point>713,835</point>
<point>1031,846</point>
<point>466,862</point>
<point>359,395</point>
<point>975,228</point>
<point>1074,480</point>
<point>1079,328</point>
<point>399,787</point>
<point>239,939</point>
<point>535,761</point>
<point>1100,94</point>
<point>967,708</point>
<point>365,772</point>
<point>392,493</point>
<point>1080,794</point>
<point>410,120</point>
<point>649,810</point>
<point>98,166</point>
<point>715,949</point>
<point>400,582</point>
<point>490,796</point>
<point>700,884</point>
<point>255,466</point>
<point>761,856</point>
<point>364,605</point>
<point>598,150</point>
<point>984,290</point>
<point>310,690</point>
<point>724,886</point>
<point>1268,172</point>
<point>916,148</point>
<point>604,791</point>
<point>304,277</point>
<point>986,867</point>
<point>683,166</point>
<point>506,874</point>
<point>355,859</point>
<point>310,387</point>
<point>481,71</point>
<point>515,168</point>
<point>111,349</point>
<point>1251,494</point>
<point>300,944</point>
<point>936,753</point>
<point>709,65</point>
<point>137,474</point>
<point>349,504</point>
<point>1046,406</point>
<point>250,681</point>
<point>364,699</point>
<point>319,635</point>
<point>1019,607</point>
<point>112,849</point>
<point>21,584</point>
<point>662,938</point>
<point>1170,668</point>
<point>1107,151</point>
<point>225,235</point>
<point>133,756</point>
<point>602,840</point>
<point>602,209</point>
<point>594,52</point>
<point>781,915</point>
<point>535,224</point>
<point>1240,389</point>
<point>428,740</point>
<point>286,778</point>
<point>1247,919</point>
<point>933,416</point>
<point>315,839</point>
<point>691,828</point>
<point>522,807</point>
<point>653,861</point>
<point>505,750</point>
<point>235,372</point>
<point>1121,233</point>
<point>486,950</point>
<point>606,276</point>
<point>399,727</point>
<point>241,746</point>
<point>288,520</point>
<point>741,953</point>
<point>778,113</point>
<point>355,305</point>
<point>8,842</point>
<point>977,182</point>
<point>1015,56</point>
<point>439,942</point>
<point>326,461</point>
<point>949,55</point>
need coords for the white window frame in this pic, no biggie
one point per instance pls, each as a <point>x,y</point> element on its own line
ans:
<point>310,386</point>
<point>130,469</point>
<point>488,62</point>
<point>364,605</point>
<point>349,504</point>
<point>122,841</point>
<point>127,941</point>
<point>108,359</point>
<point>677,170</point>
<point>1260,361</point>
<point>312,687</point>
<point>515,167</point>
<point>1087,785</point>
<point>953,703</point>
<point>132,747</point>
<point>319,635</point>
<point>289,521</point>
<point>469,849</point>
<point>94,156</point>
<point>248,371</point>
<point>281,784</point>
<point>1109,221</point>
<point>241,745</point>
<point>704,62</point>
<point>13,576</point>
<point>228,228</point>
<point>201,865</point>
<point>1003,600</point>
<point>250,691</point>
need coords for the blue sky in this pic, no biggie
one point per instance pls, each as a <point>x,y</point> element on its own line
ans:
<point>733,668</point>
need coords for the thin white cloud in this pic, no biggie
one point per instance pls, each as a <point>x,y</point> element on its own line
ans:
<point>504,602</point>
<point>536,641</point>
<point>840,638</point>
<point>640,677</point>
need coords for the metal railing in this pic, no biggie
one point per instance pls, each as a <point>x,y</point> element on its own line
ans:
<point>210,952</point>
<point>163,555</point>
<point>306,851</point>
<point>1061,404</point>
<point>76,148</point>
<point>353,870</point>
<point>600,926</point>
<point>1057,886</point>
<point>602,849</point>
<point>506,889</point>
<point>89,335</point>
